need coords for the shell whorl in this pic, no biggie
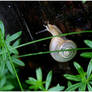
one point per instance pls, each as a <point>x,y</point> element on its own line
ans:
<point>58,43</point>
<point>63,56</point>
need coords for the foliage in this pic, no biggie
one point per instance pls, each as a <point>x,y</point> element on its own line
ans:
<point>87,54</point>
<point>84,79</point>
<point>38,84</point>
<point>8,59</point>
<point>4,58</point>
<point>4,84</point>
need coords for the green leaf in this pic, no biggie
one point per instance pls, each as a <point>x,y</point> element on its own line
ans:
<point>73,87</point>
<point>88,43</point>
<point>89,87</point>
<point>31,87</point>
<point>4,55</point>
<point>7,42</point>
<point>39,74</point>
<point>17,61</point>
<point>7,87</point>
<point>7,36</point>
<point>79,69</point>
<point>13,51</point>
<point>57,88</point>
<point>69,83</point>
<point>2,28</point>
<point>35,84</point>
<point>86,54</point>
<point>31,81</point>
<point>14,36</point>
<point>48,80</point>
<point>89,69</point>
<point>82,86</point>
<point>2,68</point>
<point>9,66</point>
<point>16,43</point>
<point>2,81</point>
<point>91,82</point>
<point>72,77</point>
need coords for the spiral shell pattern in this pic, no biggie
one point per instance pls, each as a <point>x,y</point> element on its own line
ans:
<point>64,56</point>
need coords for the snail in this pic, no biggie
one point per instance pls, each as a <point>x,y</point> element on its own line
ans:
<point>60,43</point>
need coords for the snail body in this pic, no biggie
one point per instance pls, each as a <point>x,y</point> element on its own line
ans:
<point>60,43</point>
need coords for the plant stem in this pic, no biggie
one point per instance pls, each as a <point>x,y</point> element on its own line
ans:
<point>13,67</point>
<point>46,52</point>
<point>46,38</point>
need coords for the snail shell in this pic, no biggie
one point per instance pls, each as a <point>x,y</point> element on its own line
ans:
<point>58,43</point>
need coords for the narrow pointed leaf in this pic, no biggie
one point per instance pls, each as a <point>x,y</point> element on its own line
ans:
<point>13,51</point>
<point>2,68</point>
<point>79,69</point>
<point>31,81</point>
<point>57,88</point>
<point>2,28</point>
<point>89,69</point>
<point>86,54</point>
<point>14,36</point>
<point>89,87</point>
<point>7,41</point>
<point>69,83</point>
<point>91,82</point>
<point>18,62</point>
<point>2,82</point>
<point>16,43</point>
<point>48,80</point>
<point>9,66</point>
<point>39,74</point>
<point>72,77</point>
<point>7,36</point>
<point>73,87</point>
<point>88,43</point>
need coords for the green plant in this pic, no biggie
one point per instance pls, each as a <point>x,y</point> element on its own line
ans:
<point>84,79</point>
<point>4,84</point>
<point>38,84</point>
<point>9,61</point>
<point>8,42</point>
<point>87,54</point>
<point>8,57</point>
